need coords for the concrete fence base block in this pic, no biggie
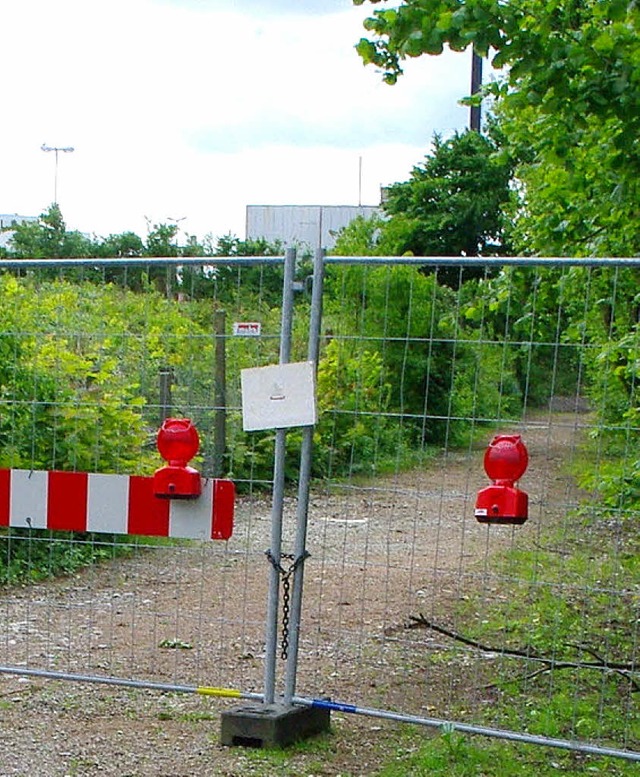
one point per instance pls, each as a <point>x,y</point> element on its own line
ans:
<point>271,725</point>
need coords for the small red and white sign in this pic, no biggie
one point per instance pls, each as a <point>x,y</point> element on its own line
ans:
<point>115,504</point>
<point>247,328</point>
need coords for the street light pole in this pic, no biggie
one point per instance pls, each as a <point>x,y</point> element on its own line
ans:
<point>56,150</point>
<point>177,224</point>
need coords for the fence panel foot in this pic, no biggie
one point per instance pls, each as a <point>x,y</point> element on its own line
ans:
<point>271,725</point>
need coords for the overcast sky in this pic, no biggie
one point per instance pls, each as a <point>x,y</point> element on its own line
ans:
<point>192,109</point>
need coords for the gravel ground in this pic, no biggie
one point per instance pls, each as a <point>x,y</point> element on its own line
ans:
<point>380,551</point>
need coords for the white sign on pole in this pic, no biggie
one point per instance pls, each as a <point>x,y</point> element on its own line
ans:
<point>279,396</point>
<point>247,328</point>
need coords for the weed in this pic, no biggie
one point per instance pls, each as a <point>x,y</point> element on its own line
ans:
<point>454,755</point>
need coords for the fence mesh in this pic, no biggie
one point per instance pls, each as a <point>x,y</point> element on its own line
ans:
<point>409,604</point>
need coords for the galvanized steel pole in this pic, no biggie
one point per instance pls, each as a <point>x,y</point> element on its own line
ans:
<point>220,398</point>
<point>278,491</point>
<point>315,323</point>
<point>336,706</point>
<point>166,401</point>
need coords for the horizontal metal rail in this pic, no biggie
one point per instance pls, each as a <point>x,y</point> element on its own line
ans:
<point>142,261</point>
<point>489,261</point>
<point>327,704</point>
<point>419,261</point>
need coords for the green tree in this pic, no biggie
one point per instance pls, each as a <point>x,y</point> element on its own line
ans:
<point>223,283</point>
<point>361,237</point>
<point>161,240</point>
<point>231,245</point>
<point>568,102</point>
<point>568,105</point>
<point>580,199</point>
<point>124,245</point>
<point>48,238</point>
<point>434,374</point>
<point>452,205</point>
<point>571,57</point>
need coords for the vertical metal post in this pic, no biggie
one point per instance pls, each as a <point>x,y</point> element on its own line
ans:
<point>278,490</point>
<point>315,324</point>
<point>220,395</point>
<point>475,113</point>
<point>55,180</point>
<point>166,402</point>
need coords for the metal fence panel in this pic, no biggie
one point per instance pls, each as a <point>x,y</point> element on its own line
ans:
<point>412,604</point>
<point>409,603</point>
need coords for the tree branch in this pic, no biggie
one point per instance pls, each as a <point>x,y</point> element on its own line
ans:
<point>625,669</point>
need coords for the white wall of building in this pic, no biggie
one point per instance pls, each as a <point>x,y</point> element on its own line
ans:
<point>311,226</point>
<point>8,220</point>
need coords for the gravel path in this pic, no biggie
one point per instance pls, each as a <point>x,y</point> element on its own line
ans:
<point>194,614</point>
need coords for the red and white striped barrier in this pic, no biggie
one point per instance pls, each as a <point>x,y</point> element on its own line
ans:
<point>115,504</point>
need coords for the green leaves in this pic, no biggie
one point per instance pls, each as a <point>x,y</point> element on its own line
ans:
<point>79,376</point>
<point>48,238</point>
<point>566,57</point>
<point>367,51</point>
<point>452,204</point>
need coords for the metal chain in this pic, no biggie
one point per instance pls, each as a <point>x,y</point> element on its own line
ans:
<point>284,646</point>
<point>285,574</point>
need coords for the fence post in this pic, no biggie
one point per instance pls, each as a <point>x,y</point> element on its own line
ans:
<point>220,395</point>
<point>278,491</point>
<point>166,401</point>
<point>283,722</point>
<point>306,452</point>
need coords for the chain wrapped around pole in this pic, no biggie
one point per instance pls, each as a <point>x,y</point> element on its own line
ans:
<point>285,575</point>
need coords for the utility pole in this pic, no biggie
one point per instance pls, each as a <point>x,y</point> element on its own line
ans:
<point>475,114</point>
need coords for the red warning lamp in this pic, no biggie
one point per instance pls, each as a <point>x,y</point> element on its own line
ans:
<point>505,462</point>
<point>178,443</point>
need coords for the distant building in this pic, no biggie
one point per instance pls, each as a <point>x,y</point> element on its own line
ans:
<point>305,226</point>
<point>8,220</point>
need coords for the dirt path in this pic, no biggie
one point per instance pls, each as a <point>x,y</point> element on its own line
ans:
<point>380,551</point>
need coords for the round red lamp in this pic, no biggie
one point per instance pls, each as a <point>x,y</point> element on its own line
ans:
<point>178,443</point>
<point>505,462</point>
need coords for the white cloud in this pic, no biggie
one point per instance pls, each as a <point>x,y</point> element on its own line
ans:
<point>196,109</point>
